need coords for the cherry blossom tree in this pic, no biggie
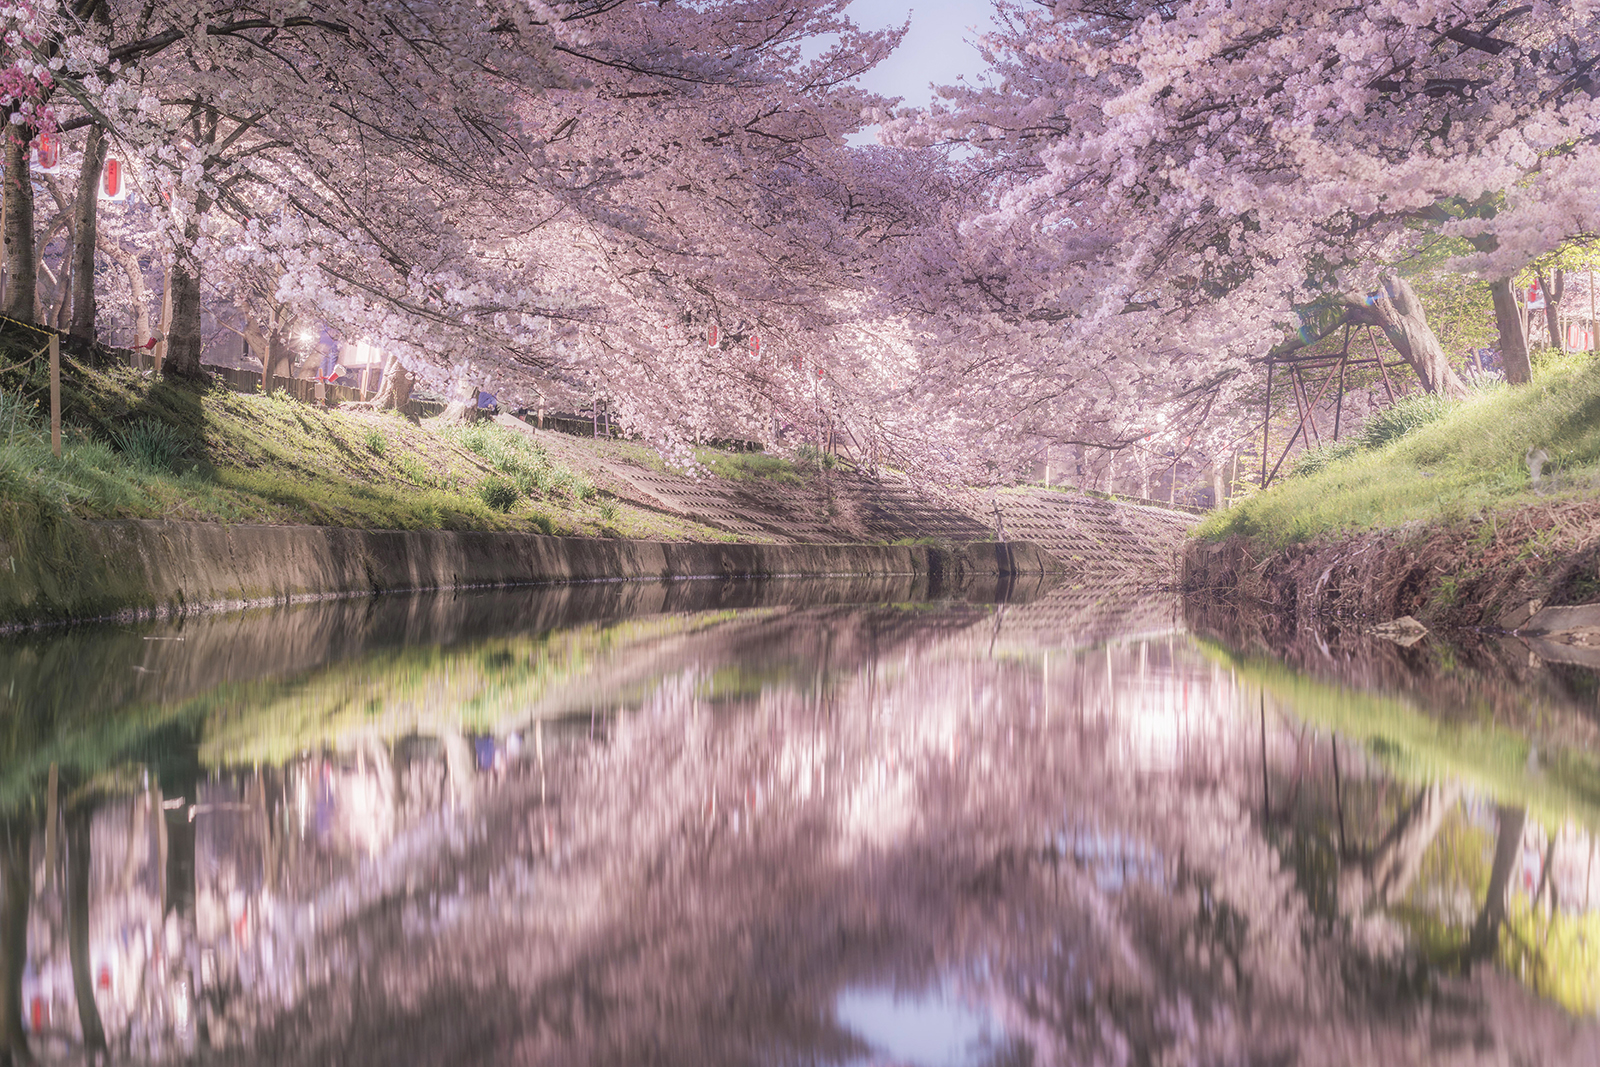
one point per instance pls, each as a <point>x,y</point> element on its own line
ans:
<point>1169,183</point>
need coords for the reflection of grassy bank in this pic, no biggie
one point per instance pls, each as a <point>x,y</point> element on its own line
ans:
<point>1503,763</point>
<point>421,689</point>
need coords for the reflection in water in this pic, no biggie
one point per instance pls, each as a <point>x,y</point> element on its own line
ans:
<point>926,1029</point>
<point>753,824</point>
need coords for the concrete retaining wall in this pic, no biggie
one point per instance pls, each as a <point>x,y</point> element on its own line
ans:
<point>91,570</point>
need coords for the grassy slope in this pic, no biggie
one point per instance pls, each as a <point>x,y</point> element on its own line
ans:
<point>1472,462</point>
<point>270,459</point>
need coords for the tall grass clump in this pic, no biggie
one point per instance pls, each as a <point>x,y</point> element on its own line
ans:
<point>1403,418</point>
<point>156,446</point>
<point>17,415</point>
<point>1428,459</point>
<point>524,462</point>
<point>499,493</point>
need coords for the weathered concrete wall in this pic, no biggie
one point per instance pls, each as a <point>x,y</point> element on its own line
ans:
<point>93,570</point>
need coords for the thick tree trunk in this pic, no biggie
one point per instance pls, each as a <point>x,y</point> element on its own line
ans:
<point>279,360</point>
<point>21,279</point>
<point>85,235</point>
<point>183,330</point>
<point>1513,340</point>
<point>184,342</point>
<point>78,874</point>
<point>395,389</point>
<point>16,889</point>
<point>1398,312</point>
<point>463,405</point>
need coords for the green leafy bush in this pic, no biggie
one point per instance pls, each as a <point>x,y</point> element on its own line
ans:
<point>376,443</point>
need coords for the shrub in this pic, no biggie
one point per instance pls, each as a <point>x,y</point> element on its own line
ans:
<point>151,444</point>
<point>608,511</point>
<point>376,443</point>
<point>498,493</point>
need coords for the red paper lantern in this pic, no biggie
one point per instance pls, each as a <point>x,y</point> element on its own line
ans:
<point>49,152</point>
<point>755,346</point>
<point>714,336</point>
<point>111,184</point>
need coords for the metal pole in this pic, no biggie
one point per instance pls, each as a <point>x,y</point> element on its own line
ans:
<point>1387,388</point>
<point>1266,426</point>
<point>55,394</point>
<point>1338,405</point>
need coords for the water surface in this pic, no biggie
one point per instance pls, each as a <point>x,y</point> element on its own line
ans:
<point>805,823</point>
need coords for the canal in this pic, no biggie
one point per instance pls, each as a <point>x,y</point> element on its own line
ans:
<point>793,823</point>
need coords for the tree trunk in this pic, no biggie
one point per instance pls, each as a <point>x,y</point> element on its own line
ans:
<point>21,279</point>
<point>1398,312</point>
<point>279,361</point>
<point>164,327</point>
<point>141,296</point>
<point>1513,341</point>
<point>463,405</point>
<point>182,358</point>
<point>1385,876</point>
<point>78,873</point>
<point>57,286</point>
<point>85,234</point>
<point>16,888</point>
<point>395,389</point>
<point>1485,937</point>
<point>1552,305</point>
<point>183,331</point>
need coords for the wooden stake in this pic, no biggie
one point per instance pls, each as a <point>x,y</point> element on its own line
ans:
<point>55,393</point>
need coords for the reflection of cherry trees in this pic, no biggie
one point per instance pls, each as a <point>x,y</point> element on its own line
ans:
<point>1115,850</point>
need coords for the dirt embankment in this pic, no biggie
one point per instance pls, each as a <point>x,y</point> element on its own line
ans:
<point>1480,572</point>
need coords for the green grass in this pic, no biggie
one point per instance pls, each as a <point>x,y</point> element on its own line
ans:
<point>743,466</point>
<point>1465,460</point>
<point>140,447</point>
<point>134,447</point>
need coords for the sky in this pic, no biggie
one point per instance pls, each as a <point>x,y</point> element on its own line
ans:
<point>936,49</point>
